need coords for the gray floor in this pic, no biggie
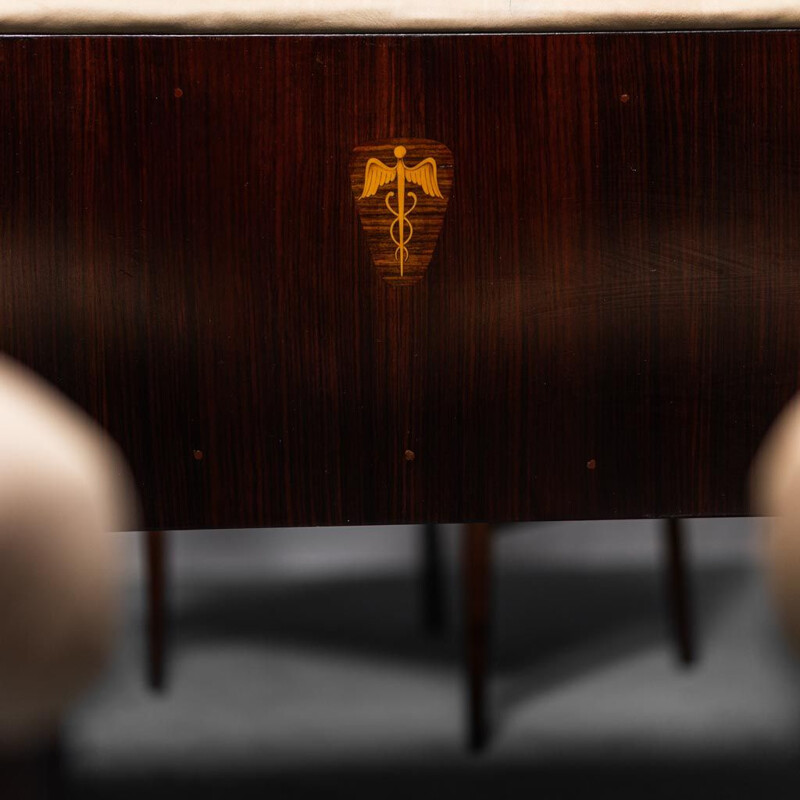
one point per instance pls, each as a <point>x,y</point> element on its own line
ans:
<point>299,667</point>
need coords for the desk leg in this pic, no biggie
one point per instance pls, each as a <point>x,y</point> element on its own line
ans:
<point>431,581</point>
<point>677,589</point>
<point>477,539</point>
<point>156,579</point>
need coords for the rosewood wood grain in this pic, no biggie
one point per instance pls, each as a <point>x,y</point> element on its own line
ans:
<point>616,284</point>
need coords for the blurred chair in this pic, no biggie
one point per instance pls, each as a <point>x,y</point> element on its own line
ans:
<point>63,490</point>
<point>775,493</point>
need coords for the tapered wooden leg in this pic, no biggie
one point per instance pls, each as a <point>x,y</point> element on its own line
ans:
<point>476,566</point>
<point>156,580</point>
<point>678,591</point>
<point>432,581</point>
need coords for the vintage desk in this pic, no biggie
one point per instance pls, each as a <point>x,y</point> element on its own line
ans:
<point>600,288</point>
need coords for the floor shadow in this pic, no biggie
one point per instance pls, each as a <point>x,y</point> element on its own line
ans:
<point>540,616</point>
<point>553,626</point>
<point>376,616</point>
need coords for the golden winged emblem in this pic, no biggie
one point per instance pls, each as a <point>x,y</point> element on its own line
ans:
<point>423,174</point>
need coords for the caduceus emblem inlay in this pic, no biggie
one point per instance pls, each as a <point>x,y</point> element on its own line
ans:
<point>417,175</point>
<point>423,174</point>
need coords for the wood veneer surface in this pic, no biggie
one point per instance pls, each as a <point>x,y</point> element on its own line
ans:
<point>606,329</point>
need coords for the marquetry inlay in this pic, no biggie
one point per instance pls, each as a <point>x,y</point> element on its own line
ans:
<point>401,188</point>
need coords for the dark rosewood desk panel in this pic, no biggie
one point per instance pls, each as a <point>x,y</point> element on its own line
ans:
<point>608,324</point>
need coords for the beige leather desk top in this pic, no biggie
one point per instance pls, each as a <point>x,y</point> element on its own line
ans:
<point>307,16</point>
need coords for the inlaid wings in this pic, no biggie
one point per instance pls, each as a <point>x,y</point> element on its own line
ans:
<point>424,175</point>
<point>375,175</point>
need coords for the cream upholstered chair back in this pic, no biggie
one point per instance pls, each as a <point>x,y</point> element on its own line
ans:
<point>63,490</point>
<point>776,495</point>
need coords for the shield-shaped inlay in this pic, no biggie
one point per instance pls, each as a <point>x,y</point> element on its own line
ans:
<point>401,188</point>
